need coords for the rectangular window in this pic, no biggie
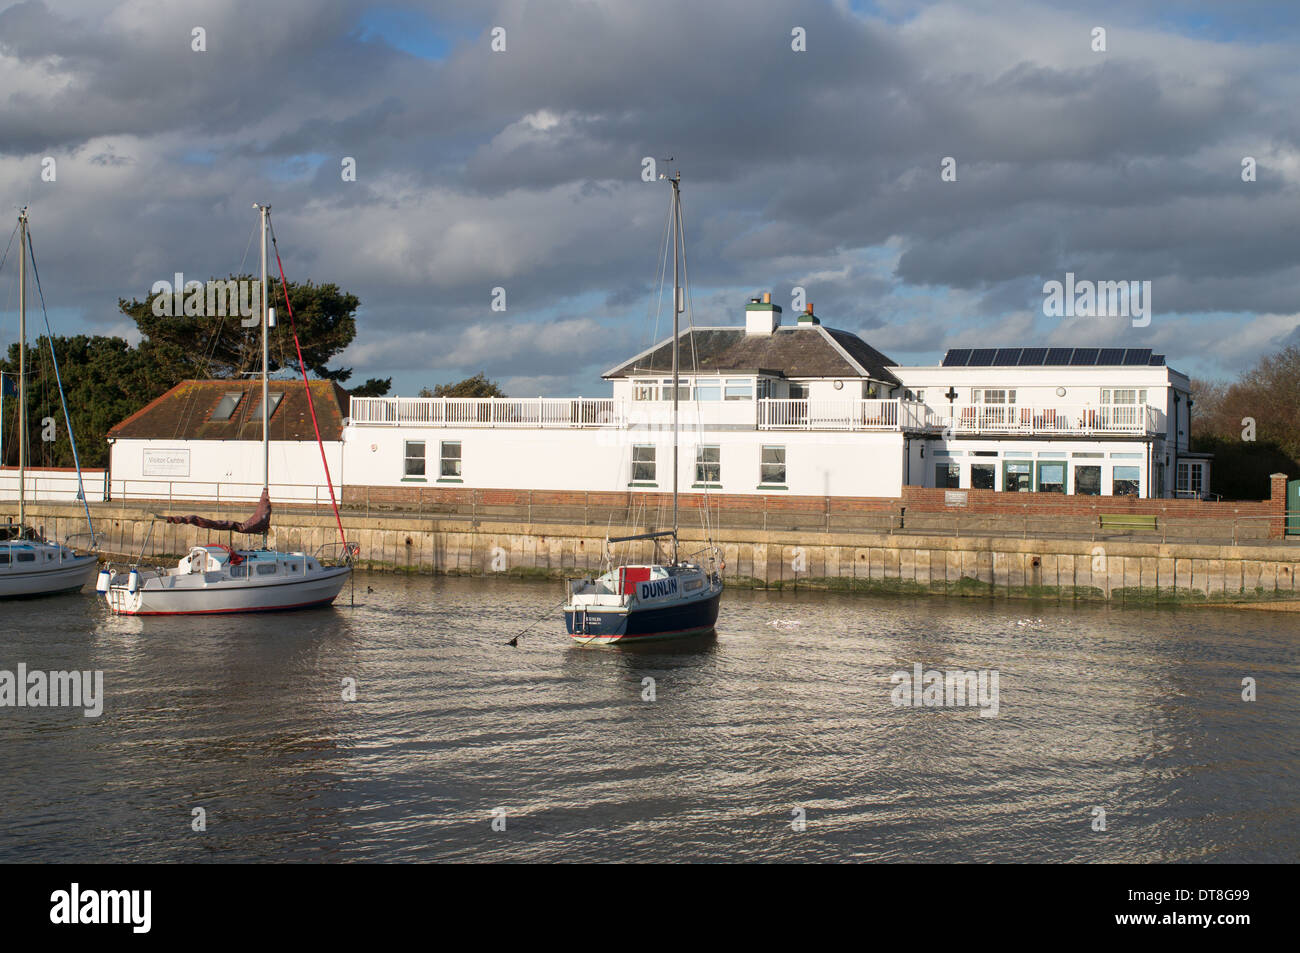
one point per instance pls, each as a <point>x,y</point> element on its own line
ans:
<point>1018,476</point>
<point>739,390</point>
<point>983,476</point>
<point>920,395</point>
<point>683,390</point>
<point>643,463</point>
<point>266,569</point>
<point>450,456</point>
<point>1051,476</point>
<point>4,557</point>
<point>773,466</point>
<point>798,391</point>
<point>1087,481</point>
<point>414,458</point>
<point>708,389</point>
<point>708,464</point>
<point>1126,481</point>
<point>764,388</point>
<point>947,476</point>
<point>226,406</point>
<point>645,390</point>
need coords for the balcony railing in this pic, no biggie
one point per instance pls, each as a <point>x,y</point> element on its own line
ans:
<point>765,414</point>
<point>532,412</point>
<point>1021,419</point>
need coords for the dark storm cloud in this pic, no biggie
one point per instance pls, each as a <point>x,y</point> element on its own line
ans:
<point>521,169</point>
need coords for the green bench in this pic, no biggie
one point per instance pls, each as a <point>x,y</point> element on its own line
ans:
<point>1128,521</point>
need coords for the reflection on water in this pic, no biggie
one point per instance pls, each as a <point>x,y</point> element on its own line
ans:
<point>1138,713</point>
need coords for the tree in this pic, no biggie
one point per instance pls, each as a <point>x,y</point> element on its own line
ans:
<point>476,386</point>
<point>105,380</point>
<point>211,345</point>
<point>373,387</point>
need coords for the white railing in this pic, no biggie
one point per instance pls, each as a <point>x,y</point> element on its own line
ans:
<point>208,491</point>
<point>50,484</point>
<point>805,414</point>
<point>487,411</point>
<point>1021,419</point>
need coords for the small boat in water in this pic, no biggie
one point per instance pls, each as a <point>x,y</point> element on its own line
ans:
<point>643,603</point>
<point>216,578</point>
<point>640,602</point>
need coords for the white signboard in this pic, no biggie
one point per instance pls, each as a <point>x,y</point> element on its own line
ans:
<point>954,497</point>
<point>166,463</point>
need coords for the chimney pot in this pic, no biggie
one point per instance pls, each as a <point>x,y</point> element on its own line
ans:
<point>767,297</point>
<point>808,309</point>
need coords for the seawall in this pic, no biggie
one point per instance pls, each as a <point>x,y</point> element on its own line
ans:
<point>1118,570</point>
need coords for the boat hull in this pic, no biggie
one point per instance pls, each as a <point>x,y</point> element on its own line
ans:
<point>604,626</point>
<point>70,575</point>
<point>320,589</point>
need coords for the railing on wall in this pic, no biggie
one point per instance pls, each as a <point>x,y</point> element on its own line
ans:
<point>1068,419</point>
<point>487,411</point>
<point>217,493</point>
<point>53,484</point>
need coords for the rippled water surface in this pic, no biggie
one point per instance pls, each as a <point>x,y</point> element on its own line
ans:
<point>1138,713</point>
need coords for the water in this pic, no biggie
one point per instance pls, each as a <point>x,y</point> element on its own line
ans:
<point>1138,713</point>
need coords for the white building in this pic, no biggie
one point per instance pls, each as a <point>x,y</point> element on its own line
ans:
<point>202,440</point>
<point>809,411</point>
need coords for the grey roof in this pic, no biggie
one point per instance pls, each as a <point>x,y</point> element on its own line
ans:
<point>802,351</point>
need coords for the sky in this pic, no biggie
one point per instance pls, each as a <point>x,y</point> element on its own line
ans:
<point>521,168</point>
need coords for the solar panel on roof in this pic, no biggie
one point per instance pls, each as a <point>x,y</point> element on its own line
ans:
<point>982,356</point>
<point>1058,356</point>
<point>1111,355</point>
<point>957,357</point>
<point>1157,360</point>
<point>1008,356</point>
<point>1136,356</point>
<point>1084,357</point>
<point>1032,356</point>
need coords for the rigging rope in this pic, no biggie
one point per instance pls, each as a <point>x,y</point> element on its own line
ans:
<point>49,336</point>
<point>311,405</point>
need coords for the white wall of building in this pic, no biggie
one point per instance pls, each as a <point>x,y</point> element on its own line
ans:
<point>600,460</point>
<point>222,470</point>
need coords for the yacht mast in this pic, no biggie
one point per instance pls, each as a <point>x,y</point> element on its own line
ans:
<point>266,350</point>
<point>676,181</point>
<point>22,367</point>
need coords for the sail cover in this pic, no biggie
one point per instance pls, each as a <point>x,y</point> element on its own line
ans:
<point>259,522</point>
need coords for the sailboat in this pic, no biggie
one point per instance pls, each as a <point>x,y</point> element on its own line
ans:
<point>31,565</point>
<point>217,578</point>
<point>643,602</point>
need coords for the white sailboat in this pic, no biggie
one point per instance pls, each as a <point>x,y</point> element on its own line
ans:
<point>215,578</point>
<point>31,565</point>
<point>645,602</point>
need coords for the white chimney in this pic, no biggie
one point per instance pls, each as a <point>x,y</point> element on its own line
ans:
<point>762,316</point>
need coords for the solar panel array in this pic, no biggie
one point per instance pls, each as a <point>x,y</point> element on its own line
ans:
<point>1052,357</point>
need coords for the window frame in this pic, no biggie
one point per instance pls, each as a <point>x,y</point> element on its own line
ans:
<point>458,460</point>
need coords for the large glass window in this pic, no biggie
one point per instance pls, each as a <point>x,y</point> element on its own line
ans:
<point>1087,480</point>
<point>1126,481</point>
<point>983,476</point>
<point>739,390</point>
<point>226,406</point>
<point>708,464</point>
<point>450,458</point>
<point>414,458</point>
<point>643,463</point>
<point>1051,476</point>
<point>1018,476</point>
<point>773,466</point>
<point>708,389</point>
<point>947,476</point>
<point>683,389</point>
<point>645,390</point>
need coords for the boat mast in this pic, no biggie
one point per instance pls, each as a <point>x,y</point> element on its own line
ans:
<point>266,350</point>
<point>22,367</point>
<point>676,181</point>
